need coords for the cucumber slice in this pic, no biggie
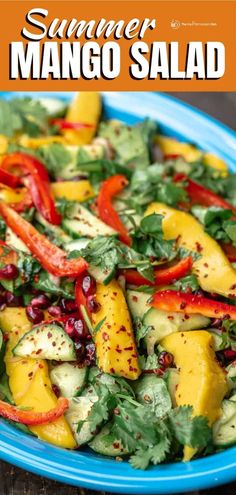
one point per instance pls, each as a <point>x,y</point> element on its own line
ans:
<point>83,223</point>
<point>138,303</point>
<point>55,231</point>
<point>69,378</point>
<point>217,338</point>
<point>77,245</point>
<point>231,376</point>
<point>224,430</point>
<point>172,382</point>
<point>46,342</point>
<point>15,242</point>
<point>152,390</point>
<point>77,414</point>
<point>163,323</point>
<point>101,276</point>
<point>54,106</point>
<point>105,444</point>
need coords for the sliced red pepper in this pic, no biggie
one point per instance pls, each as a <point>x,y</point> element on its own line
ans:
<point>229,250</point>
<point>161,275</point>
<point>110,188</point>
<point>9,179</point>
<point>52,258</point>
<point>38,183</point>
<point>200,195</point>
<point>65,124</point>
<point>80,298</point>
<point>31,418</point>
<point>170,300</point>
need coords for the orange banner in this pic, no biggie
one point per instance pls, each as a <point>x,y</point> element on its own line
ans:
<point>87,45</point>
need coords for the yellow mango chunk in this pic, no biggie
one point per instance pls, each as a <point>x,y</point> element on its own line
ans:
<point>213,269</point>
<point>29,381</point>
<point>9,195</point>
<point>217,163</point>
<point>170,146</point>
<point>3,144</point>
<point>72,190</point>
<point>202,382</point>
<point>115,343</point>
<point>85,108</point>
<point>35,143</point>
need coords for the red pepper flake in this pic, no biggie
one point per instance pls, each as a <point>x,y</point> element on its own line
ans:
<point>170,317</point>
<point>54,344</point>
<point>30,374</point>
<point>183,305</point>
<point>116,445</point>
<point>186,317</point>
<point>105,336</point>
<point>118,349</point>
<point>122,329</point>
<point>41,366</point>
<point>112,370</point>
<point>115,294</point>
<point>38,351</point>
<point>131,368</point>
<point>206,265</point>
<point>233,287</point>
<point>134,298</point>
<point>129,361</point>
<point>49,335</point>
<point>130,348</point>
<point>199,247</point>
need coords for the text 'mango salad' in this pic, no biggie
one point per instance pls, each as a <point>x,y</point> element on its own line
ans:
<point>117,285</point>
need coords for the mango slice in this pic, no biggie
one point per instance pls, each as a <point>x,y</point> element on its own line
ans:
<point>213,269</point>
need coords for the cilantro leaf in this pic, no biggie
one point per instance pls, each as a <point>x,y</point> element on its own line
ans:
<point>148,239</point>
<point>24,115</point>
<point>188,430</point>
<point>188,282</point>
<point>55,156</point>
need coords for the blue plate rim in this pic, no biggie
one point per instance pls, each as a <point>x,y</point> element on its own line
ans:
<point>90,470</point>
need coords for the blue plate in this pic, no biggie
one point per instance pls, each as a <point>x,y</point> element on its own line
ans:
<point>87,469</point>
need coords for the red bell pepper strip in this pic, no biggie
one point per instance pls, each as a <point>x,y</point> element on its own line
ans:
<point>81,299</point>
<point>52,258</point>
<point>9,179</point>
<point>161,275</point>
<point>31,418</point>
<point>170,300</point>
<point>110,188</point>
<point>65,124</point>
<point>38,183</point>
<point>200,195</point>
<point>229,250</point>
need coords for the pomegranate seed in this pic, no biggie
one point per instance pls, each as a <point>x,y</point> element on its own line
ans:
<point>80,330</point>
<point>70,326</point>
<point>165,359</point>
<point>54,311</point>
<point>34,314</point>
<point>229,354</point>
<point>56,390</point>
<point>12,300</point>
<point>90,351</point>
<point>9,272</point>
<point>68,305</point>
<point>93,305</point>
<point>40,301</point>
<point>88,285</point>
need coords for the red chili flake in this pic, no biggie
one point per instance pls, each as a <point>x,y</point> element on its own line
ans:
<point>233,287</point>
<point>5,337</point>
<point>54,344</point>
<point>112,370</point>
<point>122,329</point>
<point>30,374</point>
<point>115,294</point>
<point>199,247</point>
<point>129,361</point>
<point>38,351</point>
<point>134,298</point>
<point>41,366</point>
<point>105,336</point>
<point>116,445</point>
<point>118,350</point>
<point>108,325</point>
<point>183,305</point>
<point>130,348</point>
<point>131,368</point>
<point>49,335</point>
<point>206,265</point>
<point>186,317</point>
